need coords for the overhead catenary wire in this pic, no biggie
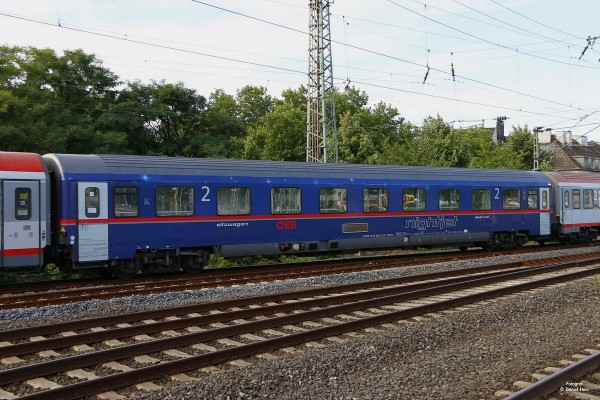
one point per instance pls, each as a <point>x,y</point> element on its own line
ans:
<point>446,71</point>
<point>482,39</point>
<point>131,39</point>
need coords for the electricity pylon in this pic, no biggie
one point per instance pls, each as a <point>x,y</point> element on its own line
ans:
<point>321,132</point>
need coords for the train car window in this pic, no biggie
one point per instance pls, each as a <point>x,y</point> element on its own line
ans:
<point>511,199</point>
<point>92,202</point>
<point>413,199</point>
<point>482,199</point>
<point>126,201</point>
<point>449,199</point>
<point>576,198</point>
<point>588,198</point>
<point>23,204</point>
<point>332,200</point>
<point>174,201</point>
<point>532,199</point>
<point>566,199</point>
<point>375,200</point>
<point>285,200</point>
<point>233,201</point>
<point>545,200</point>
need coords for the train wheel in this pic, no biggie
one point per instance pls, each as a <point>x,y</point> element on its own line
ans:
<point>125,269</point>
<point>196,263</point>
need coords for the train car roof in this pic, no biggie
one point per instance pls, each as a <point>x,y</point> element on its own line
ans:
<point>180,166</point>
<point>21,162</point>
<point>574,177</point>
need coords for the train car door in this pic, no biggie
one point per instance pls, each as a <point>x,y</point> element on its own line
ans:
<point>92,221</point>
<point>20,224</point>
<point>545,215</point>
<point>566,206</point>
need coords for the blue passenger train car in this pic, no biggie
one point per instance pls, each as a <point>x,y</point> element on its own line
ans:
<point>132,212</point>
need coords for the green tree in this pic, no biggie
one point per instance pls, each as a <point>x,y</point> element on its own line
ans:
<point>365,135</point>
<point>253,103</point>
<point>221,133</point>
<point>281,134</point>
<point>49,103</point>
<point>169,119</point>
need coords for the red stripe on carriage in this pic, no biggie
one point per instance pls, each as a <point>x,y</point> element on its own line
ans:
<point>21,252</point>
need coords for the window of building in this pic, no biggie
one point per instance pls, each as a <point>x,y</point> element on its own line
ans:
<point>126,201</point>
<point>285,201</point>
<point>332,200</point>
<point>92,202</point>
<point>449,199</point>
<point>511,199</point>
<point>174,201</point>
<point>23,204</point>
<point>375,200</point>
<point>482,199</point>
<point>233,201</point>
<point>532,199</point>
<point>588,198</point>
<point>413,199</point>
<point>576,198</point>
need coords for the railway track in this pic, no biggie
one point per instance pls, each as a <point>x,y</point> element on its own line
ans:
<point>98,355</point>
<point>43,294</point>
<point>579,379</point>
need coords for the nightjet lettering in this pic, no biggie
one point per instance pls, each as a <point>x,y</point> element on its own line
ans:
<point>431,222</point>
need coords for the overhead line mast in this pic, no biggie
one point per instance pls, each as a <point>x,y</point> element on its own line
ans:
<point>321,132</point>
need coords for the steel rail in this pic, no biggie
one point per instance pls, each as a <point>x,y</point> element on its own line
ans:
<point>113,289</point>
<point>117,333</point>
<point>154,372</point>
<point>198,282</point>
<point>552,383</point>
<point>144,374</point>
<point>204,307</point>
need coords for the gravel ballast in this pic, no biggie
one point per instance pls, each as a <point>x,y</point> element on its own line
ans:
<point>467,354</point>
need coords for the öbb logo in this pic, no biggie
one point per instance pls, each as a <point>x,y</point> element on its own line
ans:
<point>286,225</point>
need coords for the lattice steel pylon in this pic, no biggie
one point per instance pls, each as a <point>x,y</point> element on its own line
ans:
<point>321,130</point>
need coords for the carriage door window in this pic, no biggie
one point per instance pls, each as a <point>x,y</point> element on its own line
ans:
<point>545,200</point>
<point>566,199</point>
<point>23,203</point>
<point>92,202</point>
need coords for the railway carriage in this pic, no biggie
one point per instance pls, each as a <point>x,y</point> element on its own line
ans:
<point>578,207</point>
<point>24,208</point>
<point>128,213</point>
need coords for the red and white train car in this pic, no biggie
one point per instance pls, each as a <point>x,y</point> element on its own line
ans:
<point>577,204</point>
<point>24,210</point>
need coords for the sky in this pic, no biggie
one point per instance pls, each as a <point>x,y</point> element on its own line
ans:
<point>519,59</point>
